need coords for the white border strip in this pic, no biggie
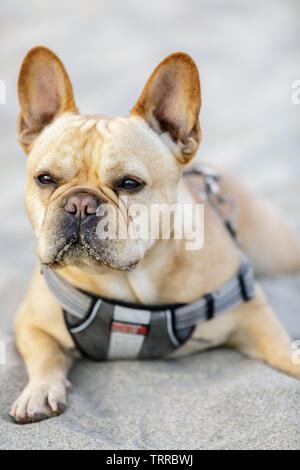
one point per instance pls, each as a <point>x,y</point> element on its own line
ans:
<point>89,320</point>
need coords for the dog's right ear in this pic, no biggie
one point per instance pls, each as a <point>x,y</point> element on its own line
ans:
<point>170,102</point>
<point>45,92</point>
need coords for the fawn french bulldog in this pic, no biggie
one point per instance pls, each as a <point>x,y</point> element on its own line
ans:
<point>76,163</point>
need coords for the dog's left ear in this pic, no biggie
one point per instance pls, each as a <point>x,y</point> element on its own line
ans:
<point>45,92</point>
<point>171,100</point>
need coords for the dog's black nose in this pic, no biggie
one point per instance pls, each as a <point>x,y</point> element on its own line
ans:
<point>81,206</point>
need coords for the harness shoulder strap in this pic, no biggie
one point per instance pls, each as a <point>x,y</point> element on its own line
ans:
<point>224,205</point>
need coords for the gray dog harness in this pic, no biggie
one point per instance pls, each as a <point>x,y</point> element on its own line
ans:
<point>107,329</point>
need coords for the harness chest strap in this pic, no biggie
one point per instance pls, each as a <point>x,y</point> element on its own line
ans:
<point>106,329</point>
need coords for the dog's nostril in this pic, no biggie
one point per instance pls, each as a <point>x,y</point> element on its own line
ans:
<point>81,205</point>
<point>91,207</point>
<point>70,207</point>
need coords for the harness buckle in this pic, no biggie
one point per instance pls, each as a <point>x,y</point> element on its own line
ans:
<point>210,306</point>
<point>246,286</point>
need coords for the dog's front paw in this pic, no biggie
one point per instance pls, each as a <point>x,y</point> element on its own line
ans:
<point>40,400</point>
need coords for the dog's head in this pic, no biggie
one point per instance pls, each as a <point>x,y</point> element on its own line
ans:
<point>83,170</point>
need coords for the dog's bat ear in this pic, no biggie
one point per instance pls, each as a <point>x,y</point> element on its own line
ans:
<point>171,100</point>
<point>45,91</point>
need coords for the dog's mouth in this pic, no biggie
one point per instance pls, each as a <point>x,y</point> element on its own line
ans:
<point>78,252</point>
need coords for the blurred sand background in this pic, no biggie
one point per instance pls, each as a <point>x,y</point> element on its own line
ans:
<point>248,56</point>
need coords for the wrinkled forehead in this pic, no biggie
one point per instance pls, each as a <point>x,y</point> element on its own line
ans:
<point>109,143</point>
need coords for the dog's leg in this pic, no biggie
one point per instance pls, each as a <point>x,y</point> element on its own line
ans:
<point>259,334</point>
<point>47,364</point>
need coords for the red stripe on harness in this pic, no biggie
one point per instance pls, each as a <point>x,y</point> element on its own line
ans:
<point>129,328</point>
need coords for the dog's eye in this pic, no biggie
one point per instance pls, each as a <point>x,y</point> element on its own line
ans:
<point>45,179</point>
<point>129,184</point>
